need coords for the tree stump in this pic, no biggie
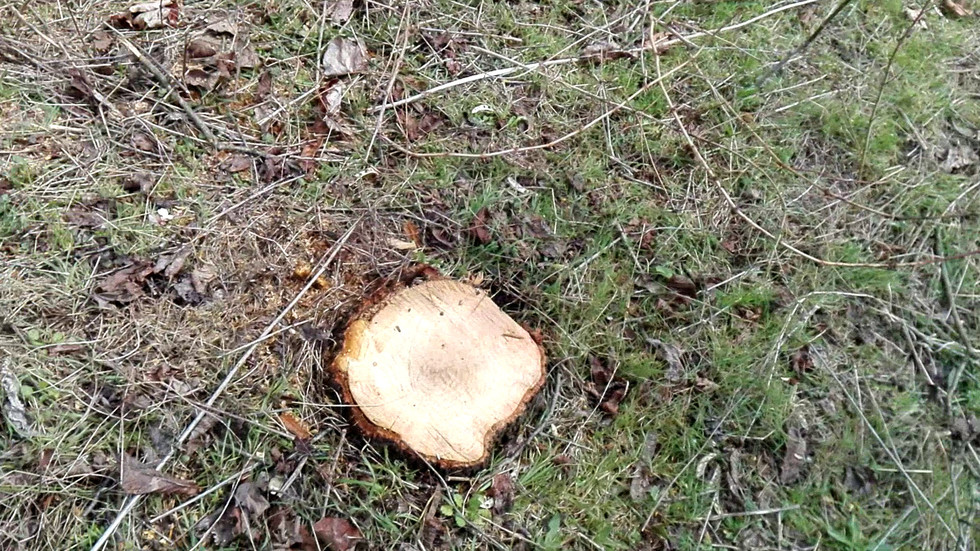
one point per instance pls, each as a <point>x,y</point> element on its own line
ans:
<point>439,370</point>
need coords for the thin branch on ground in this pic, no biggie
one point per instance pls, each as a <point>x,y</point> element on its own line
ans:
<point>131,502</point>
<point>578,59</point>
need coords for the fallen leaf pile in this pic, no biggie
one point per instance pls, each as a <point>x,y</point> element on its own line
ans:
<point>133,280</point>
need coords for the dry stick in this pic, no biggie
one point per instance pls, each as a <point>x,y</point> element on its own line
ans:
<point>566,60</point>
<point>151,66</point>
<point>394,75</point>
<point>170,88</point>
<point>888,451</point>
<point>806,44</point>
<point>131,502</point>
<point>741,214</point>
<point>957,372</point>
<point>610,112</point>
<point>881,88</point>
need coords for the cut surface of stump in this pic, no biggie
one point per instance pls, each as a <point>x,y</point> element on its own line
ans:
<point>438,369</point>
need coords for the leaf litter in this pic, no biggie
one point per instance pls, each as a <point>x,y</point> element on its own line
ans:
<point>344,56</point>
<point>137,478</point>
<point>339,534</point>
<point>339,11</point>
<point>148,15</point>
<point>606,387</point>
<point>794,459</point>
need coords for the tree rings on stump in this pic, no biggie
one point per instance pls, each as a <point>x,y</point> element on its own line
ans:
<point>438,369</point>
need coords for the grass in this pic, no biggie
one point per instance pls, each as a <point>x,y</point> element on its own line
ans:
<point>591,238</point>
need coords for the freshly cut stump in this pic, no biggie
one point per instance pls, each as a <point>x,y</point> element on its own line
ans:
<point>438,369</point>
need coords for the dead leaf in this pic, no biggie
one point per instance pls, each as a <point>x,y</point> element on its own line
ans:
<point>200,78</point>
<point>264,87</point>
<point>339,11</point>
<point>794,459</point>
<point>959,157</point>
<point>236,163</point>
<point>84,218</point>
<point>201,277</point>
<point>125,285</point>
<point>287,530</point>
<point>13,407</point>
<point>344,56</point>
<point>101,42</point>
<point>801,362</point>
<point>604,50</point>
<point>223,25</point>
<point>955,10</point>
<point>137,478</point>
<point>246,57</point>
<point>201,47</point>
<point>671,355</point>
<point>412,232</point>
<point>478,228</point>
<point>331,97</point>
<point>66,348</point>
<point>143,142</point>
<point>171,264</point>
<point>337,533</point>
<point>658,43</point>
<point>502,492</point>
<point>197,436</point>
<point>402,245</point>
<point>224,525</point>
<point>295,426</point>
<point>607,389</point>
<point>153,15</point>
<point>682,286</point>
<point>249,497</point>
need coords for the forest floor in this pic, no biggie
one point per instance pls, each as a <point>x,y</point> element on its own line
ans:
<point>753,258</point>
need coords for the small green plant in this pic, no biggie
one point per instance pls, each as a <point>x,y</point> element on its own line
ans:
<point>474,510</point>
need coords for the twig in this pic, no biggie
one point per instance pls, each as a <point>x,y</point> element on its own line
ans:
<point>957,372</point>
<point>779,241</point>
<point>608,113</point>
<point>806,44</point>
<point>404,33</point>
<point>167,83</point>
<point>131,502</point>
<point>758,512</point>
<point>247,469</point>
<point>888,451</point>
<point>567,60</point>
<point>884,81</point>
